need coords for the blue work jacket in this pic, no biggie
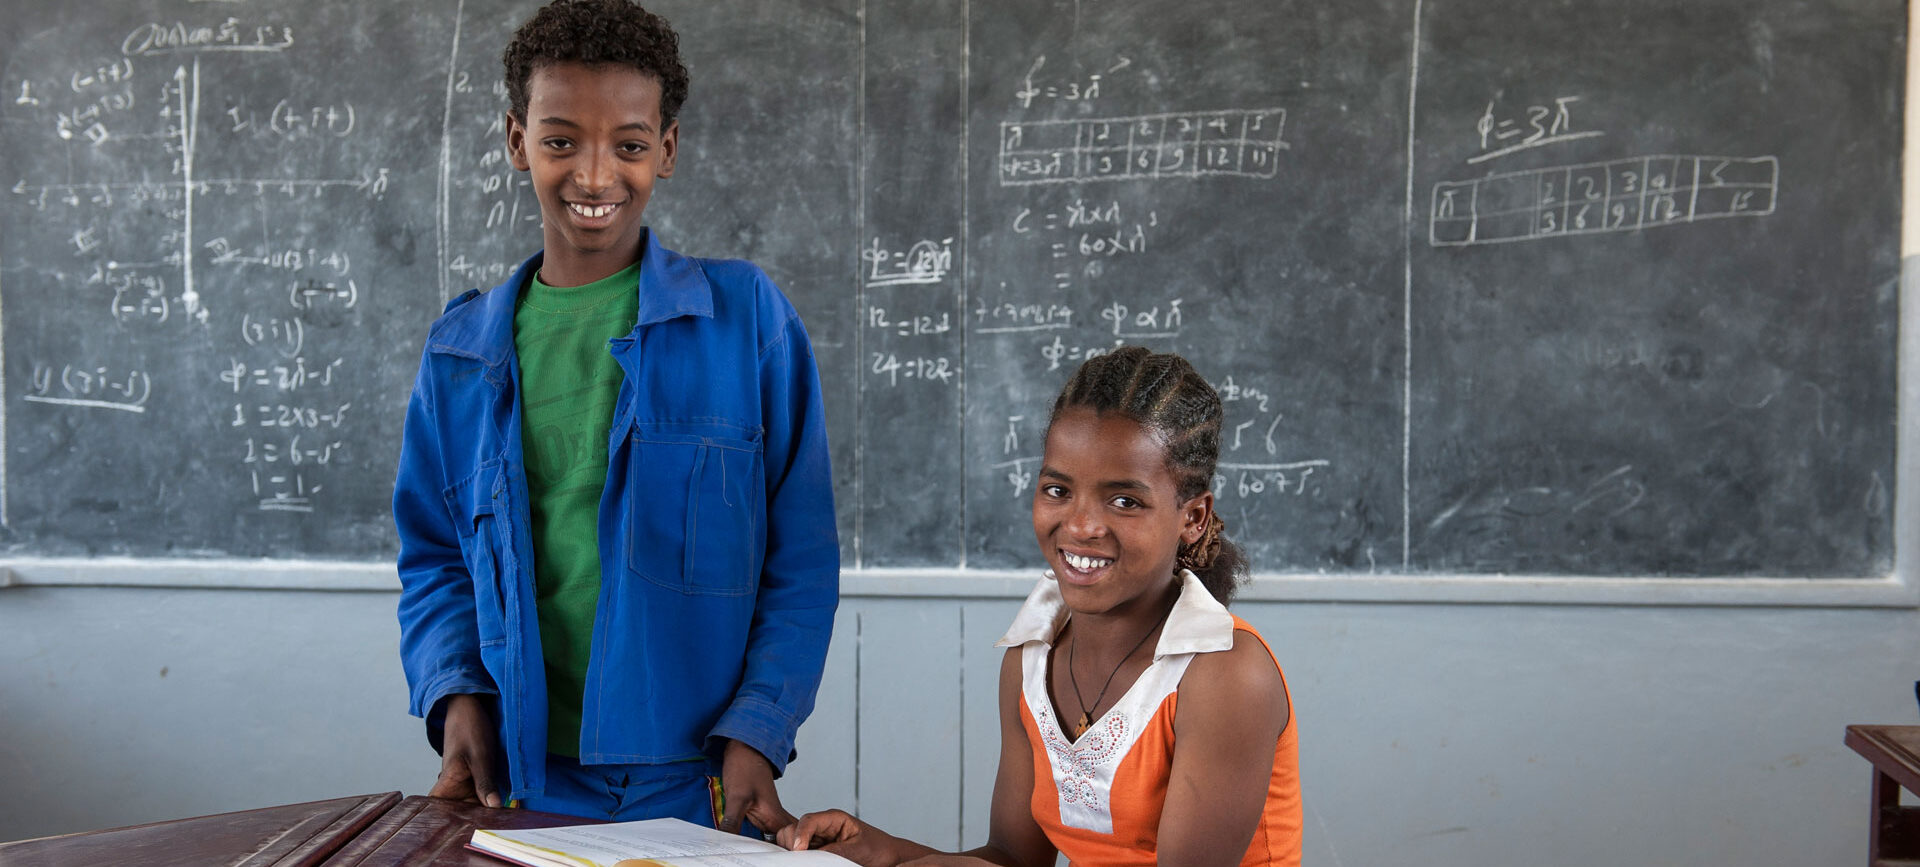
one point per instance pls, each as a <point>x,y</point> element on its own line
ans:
<point>719,560</point>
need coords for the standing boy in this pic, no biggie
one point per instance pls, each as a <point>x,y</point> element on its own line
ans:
<point>617,551</point>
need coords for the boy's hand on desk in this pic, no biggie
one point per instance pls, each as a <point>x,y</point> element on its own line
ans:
<point>746,781</point>
<point>468,754</point>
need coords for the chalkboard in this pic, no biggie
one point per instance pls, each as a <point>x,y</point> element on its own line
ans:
<point>1488,286</point>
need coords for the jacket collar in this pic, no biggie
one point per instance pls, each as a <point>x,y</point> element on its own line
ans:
<point>670,286</point>
<point>1198,622</point>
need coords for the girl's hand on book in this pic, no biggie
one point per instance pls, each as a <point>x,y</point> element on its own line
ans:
<point>838,832</point>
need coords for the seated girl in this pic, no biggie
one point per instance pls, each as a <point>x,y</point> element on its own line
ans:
<point>1172,742</point>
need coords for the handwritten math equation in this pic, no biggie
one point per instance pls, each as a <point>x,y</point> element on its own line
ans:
<point>1079,240</point>
<point>1503,131</point>
<point>908,346</point>
<point>1623,195</point>
<point>1066,87</point>
<point>97,386</point>
<point>929,366</point>
<point>1255,460</point>
<point>1118,323</point>
<point>924,261</point>
<point>156,136</point>
<point>1240,142</point>
<point>1082,237</point>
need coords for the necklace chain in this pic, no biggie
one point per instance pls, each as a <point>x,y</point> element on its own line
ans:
<point>1086,711</point>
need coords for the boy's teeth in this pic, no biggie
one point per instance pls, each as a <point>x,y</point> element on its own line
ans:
<point>593,210</point>
<point>1085,564</point>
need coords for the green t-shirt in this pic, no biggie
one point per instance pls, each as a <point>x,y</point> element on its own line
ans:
<point>568,385</point>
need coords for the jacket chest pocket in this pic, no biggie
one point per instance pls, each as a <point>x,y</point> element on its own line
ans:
<point>697,507</point>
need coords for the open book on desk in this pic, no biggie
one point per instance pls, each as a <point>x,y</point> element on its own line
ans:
<point>647,843</point>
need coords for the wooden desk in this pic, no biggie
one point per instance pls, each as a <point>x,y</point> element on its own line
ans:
<point>1895,754</point>
<point>295,835</point>
<point>430,832</point>
<point>361,831</point>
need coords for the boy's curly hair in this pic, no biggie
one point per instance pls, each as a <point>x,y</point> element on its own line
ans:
<point>596,31</point>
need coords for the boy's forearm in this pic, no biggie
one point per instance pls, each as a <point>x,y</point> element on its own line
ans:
<point>785,658</point>
<point>786,651</point>
<point>439,630</point>
<point>799,586</point>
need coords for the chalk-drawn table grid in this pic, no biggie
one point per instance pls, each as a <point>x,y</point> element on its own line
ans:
<point>1593,198</point>
<point>1245,143</point>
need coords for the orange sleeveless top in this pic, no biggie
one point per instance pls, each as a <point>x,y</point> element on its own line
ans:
<point>1099,799</point>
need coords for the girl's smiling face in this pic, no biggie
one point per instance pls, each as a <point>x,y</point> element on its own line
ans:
<point>1107,512</point>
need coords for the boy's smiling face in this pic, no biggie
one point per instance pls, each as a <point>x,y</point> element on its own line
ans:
<point>593,144</point>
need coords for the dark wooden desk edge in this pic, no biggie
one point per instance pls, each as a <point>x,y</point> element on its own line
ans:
<point>384,801</point>
<point>1877,744</point>
<point>423,831</point>
<point>343,831</point>
<point>374,830</point>
<point>283,836</point>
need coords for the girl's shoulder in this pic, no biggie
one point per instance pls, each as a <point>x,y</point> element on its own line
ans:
<point>1248,660</point>
<point>1245,676</point>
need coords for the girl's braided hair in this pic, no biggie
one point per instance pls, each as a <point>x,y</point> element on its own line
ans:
<point>1174,403</point>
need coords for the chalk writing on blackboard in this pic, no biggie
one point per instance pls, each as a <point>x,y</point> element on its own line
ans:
<point>895,367</point>
<point>1250,480</point>
<point>1592,198</point>
<point>231,35</point>
<point>926,261</point>
<point>1074,88</point>
<point>97,387</point>
<point>1093,230</point>
<point>292,410</point>
<point>291,376</point>
<point>910,326</point>
<point>1544,125</point>
<point>1009,317</point>
<point>1239,142</point>
<point>1155,321</point>
<point>288,335</point>
<point>199,195</point>
<point>1019,472</point>
<point>312,293</point>
<point>1059,351</point>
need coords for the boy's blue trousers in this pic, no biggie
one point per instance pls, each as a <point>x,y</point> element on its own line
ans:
<point>622,793</point>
